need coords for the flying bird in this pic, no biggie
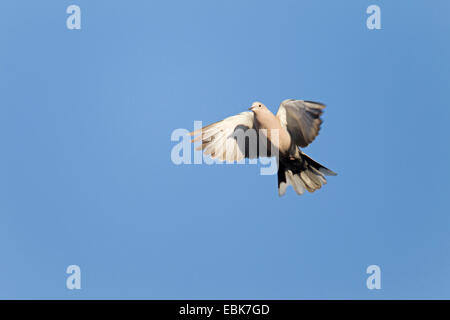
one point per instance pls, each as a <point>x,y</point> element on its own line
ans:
<point>296,125</point>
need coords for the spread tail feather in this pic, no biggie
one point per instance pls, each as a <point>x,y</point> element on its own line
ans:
<point>303,174</point>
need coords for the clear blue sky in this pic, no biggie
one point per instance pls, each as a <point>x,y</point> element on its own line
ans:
<point>86,176</point>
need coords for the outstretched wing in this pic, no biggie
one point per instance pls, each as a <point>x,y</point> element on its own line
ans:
<point>301,119</point>
<point>223,139</point>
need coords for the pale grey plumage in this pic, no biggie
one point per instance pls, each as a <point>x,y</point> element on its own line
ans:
<point>302,119</point>
<point>296,124</point>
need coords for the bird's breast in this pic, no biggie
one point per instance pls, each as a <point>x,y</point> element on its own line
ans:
<point>278,136</point>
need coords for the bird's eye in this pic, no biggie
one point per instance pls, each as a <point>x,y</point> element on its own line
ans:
<point>260,106</point>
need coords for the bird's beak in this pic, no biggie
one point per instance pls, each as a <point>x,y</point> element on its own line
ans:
<point>251,108</point>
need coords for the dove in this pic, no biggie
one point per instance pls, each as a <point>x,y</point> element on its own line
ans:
<point>295,125</point>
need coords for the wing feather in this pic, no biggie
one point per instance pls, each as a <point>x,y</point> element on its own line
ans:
<point>218,139</point>
<point>302,119</point>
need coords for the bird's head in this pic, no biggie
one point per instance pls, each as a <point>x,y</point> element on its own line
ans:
<point>258,107</point>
